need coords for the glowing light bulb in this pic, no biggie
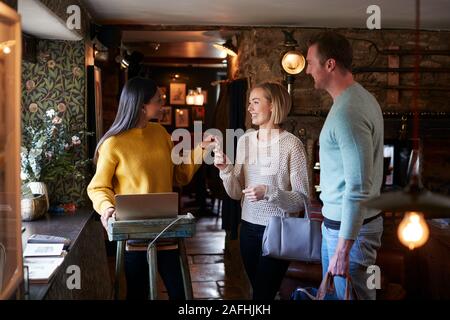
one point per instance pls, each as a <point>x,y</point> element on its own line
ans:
<point>198,99</point>
<point>190,98</point>
<point>6,50</point>
<point>293,62</point>
<point>413,231</point>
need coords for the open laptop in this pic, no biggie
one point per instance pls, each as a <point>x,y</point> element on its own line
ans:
<point>146,206</point>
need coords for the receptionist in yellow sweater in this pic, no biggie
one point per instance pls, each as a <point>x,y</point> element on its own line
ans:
<point>134,156</point>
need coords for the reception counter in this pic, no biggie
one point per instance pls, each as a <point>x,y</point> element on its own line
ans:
<point>86,251</point>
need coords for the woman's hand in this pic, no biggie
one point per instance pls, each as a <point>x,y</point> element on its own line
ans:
<point>220,159</point>
<point>255,193</point>
<point>208,141</point>
<point>106,214</point>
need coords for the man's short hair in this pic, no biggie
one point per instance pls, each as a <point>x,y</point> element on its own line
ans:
<point>332,45</point>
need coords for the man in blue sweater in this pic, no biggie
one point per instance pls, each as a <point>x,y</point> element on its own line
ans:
<point>351,163</point>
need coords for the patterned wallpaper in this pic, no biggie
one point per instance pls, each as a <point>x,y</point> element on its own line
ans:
<point>57,82</point>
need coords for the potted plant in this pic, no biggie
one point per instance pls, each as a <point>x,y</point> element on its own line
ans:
<point>49,152</point>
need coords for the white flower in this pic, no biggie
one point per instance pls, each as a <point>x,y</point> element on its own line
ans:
<point>50,113</point>
<point>23,176</point>
<point>76,140</point>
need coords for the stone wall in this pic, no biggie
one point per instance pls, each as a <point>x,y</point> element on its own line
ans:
<point>260,52</point>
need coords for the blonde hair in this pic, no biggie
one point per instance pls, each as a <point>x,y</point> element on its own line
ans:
<point>280,99</point>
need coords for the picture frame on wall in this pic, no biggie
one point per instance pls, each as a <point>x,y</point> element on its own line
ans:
<point>182,118</point>
<point>165,117</point>
<point>163,91</point>
<point>198,114</point>
<point>177,93</point>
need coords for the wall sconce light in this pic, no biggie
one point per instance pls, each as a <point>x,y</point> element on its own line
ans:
<point>195,97</point>
<point>190,98</point>
<point>199,97</point>
<point>227,47</point>
<point>293,61</point>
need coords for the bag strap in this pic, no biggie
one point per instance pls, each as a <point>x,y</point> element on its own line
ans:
<point>327,286</point>
<point>309,295</point>
<point>305,205</point>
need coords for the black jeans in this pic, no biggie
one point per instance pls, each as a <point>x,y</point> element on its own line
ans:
<point>265,273</point>
<point>136,272</point>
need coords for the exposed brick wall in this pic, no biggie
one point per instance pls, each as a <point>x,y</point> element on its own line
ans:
<point>260,52</point>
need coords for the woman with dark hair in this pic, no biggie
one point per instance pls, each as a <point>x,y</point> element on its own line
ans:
<point>134,156</point>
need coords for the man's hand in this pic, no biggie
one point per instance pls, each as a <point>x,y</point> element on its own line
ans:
<point>255,193</point>
<point>339,264</point>
<point>108,213</point>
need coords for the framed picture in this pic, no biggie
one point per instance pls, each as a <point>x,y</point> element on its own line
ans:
<point>163,91</point>
<point>205,96</point>
<point>165,117</point>
<point>182,118</point>
<point>198,113</point>
<point>177,93</point>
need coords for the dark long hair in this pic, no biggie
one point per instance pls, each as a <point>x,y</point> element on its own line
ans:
<point>136,92</point>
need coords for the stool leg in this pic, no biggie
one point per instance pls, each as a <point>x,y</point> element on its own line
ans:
<point>119,267</point>
<point>152,269</point>
<point>188,293</point>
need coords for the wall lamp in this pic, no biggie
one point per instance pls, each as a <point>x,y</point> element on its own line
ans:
<point>293,62</point>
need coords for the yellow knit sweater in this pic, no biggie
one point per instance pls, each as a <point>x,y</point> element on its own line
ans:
<point>138,161</point>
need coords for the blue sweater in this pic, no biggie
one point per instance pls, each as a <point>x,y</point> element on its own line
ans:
<point>351,158</point>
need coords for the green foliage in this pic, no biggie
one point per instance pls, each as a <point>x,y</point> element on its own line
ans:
<point>53,120</point>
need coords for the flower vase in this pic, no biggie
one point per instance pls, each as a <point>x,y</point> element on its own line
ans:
<point>40,188</point>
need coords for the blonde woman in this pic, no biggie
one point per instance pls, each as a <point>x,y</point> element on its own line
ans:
<point>269,177</point>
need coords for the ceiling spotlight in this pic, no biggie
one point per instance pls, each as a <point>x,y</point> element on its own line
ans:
<point>227,47</point>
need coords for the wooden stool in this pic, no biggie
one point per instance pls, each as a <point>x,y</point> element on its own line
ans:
<point>149,229</point>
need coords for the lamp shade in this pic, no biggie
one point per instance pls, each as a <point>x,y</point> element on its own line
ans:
<point>432,204</point>
<point>293,62</point>
<point>190,98</point>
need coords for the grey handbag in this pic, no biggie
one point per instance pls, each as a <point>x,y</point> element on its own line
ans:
<point>292,238</point>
